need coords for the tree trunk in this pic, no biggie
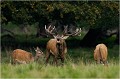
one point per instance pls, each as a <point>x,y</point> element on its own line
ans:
<point>92,37</point>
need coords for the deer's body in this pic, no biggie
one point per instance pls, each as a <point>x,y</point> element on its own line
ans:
<point>57,46</point>
<point>57,49</point>
<point>52,46</point>
<point>23,57</point>
<point>100,54</point>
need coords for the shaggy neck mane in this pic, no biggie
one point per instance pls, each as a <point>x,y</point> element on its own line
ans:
<point>61,47</point>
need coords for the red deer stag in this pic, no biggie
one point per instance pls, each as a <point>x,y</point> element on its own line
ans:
<point>100,54</point>
<point>23,57</point>
<point>57,46</point>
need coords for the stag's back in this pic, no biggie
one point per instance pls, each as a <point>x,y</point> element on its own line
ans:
<point>22,55</point>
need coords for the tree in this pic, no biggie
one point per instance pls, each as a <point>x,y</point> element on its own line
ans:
<point>96,15</point>
<point>108,20</point>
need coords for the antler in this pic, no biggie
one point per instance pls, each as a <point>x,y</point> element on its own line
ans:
<point>50,30</point>
<point>75,33</point>
<point>65,34</point>
<point>65,29</point>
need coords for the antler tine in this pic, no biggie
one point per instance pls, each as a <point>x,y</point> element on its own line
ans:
<point>65,29</point>
<point>49,29</point>
<point>52,29</point>
<point>77,32</point>
<point>45,26</point>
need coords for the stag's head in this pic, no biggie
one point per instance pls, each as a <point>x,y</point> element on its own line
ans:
<point>65,34</point>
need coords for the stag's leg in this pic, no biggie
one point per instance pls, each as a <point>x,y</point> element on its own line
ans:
<point>62,59</point>
<point>101,62</point>
<point>55,60</point>
<point>47,56</point>
<point>98,61</point>
<point>105,62</point>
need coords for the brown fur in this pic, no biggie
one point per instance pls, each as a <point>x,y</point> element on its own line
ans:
<point>100,54</point>
<point>23,57</point>
<point>57,46</point>
<point>57,52</point>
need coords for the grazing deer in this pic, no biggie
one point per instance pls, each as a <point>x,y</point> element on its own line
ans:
<point>23,57</point>
<point>100,54</point>
<point>57,46</point>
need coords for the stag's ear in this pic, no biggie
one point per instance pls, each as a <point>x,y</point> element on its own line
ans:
<point>65,37</point>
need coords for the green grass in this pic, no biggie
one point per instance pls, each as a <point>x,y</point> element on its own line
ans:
<point>79,64</point>
<point>69,70</point>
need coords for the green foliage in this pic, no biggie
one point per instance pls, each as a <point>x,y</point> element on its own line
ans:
<point>21,40</point>
<point>83,12</point>
<point>109,14</point>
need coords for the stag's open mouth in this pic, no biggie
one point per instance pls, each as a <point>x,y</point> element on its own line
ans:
<point>58,40</point>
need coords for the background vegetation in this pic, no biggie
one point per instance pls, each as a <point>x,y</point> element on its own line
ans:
<point>22,26</point>
<point>100,18</point>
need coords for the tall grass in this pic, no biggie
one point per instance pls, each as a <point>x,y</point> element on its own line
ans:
<point>79,63</point>
<point>69,70</point>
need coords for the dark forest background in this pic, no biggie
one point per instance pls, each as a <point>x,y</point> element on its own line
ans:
<point>22,22</point>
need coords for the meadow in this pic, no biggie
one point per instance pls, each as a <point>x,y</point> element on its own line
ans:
<point>79,63</point>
